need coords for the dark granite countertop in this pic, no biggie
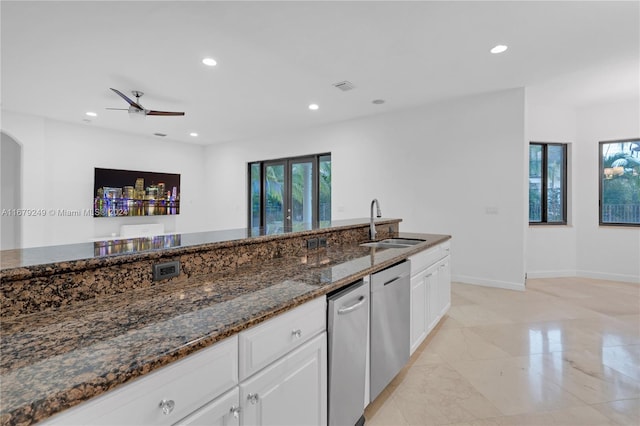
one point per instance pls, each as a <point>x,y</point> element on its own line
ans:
<point>54,359</point>
<point>24,263</point>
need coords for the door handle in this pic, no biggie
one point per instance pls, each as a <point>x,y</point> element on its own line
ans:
<point>391,281</point>
<point>353,307</point>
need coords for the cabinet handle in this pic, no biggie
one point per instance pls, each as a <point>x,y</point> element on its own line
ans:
<point>253,398</point>
<point>235,411</point>
<point>296,333</point>
<point>167,406</point>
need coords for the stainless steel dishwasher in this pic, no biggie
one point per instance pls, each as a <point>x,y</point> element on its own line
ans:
<point>348,316</point>
<point>390,340</point>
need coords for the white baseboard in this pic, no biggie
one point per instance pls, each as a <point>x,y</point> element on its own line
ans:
<point>552,274</point>
<point>634,279</point>
<point>584,274</point>
<point>488,283</point>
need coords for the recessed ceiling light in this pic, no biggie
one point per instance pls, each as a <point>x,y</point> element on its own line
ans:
<point>209,62</point>
<point>91,114</point>
<point>313,107</point>
<point>499,48</point>
<point>194,134</point>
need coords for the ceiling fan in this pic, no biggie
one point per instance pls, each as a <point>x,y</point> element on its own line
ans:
<point>136,108</point>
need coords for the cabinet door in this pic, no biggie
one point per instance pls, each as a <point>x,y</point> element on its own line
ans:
<point>433,296</point>
<point>444,285</point>
<point>419,309</point>
<point>291,391</point>
<point>223,411</point>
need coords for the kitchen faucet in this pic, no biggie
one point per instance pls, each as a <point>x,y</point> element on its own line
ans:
<point>372,228</point>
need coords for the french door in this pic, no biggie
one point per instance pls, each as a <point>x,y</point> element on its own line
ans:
<point>284,193</point>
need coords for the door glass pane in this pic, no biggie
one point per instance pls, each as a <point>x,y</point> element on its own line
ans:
<point>324,182</point>
<point>301,195</point>
<point>255,188</point>
<point>535,183</point>
<point>274,203</point>
<point>555,163</point>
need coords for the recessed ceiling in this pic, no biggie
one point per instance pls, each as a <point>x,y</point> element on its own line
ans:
<point>59,59</point>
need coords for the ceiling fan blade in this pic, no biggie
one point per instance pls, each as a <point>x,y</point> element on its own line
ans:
<point>129,101</point>
<point>165,113</point>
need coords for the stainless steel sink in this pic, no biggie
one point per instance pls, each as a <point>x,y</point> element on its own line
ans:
<point>380,244</point>
<point>393,243</point>
<point>403,241</point>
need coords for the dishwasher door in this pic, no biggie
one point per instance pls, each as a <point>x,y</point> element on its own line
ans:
<point>348,316</point>
<point>390,317</point>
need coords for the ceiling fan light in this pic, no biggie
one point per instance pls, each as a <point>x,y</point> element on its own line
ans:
<point>136,114</point>
<point>313,107</point>
<point>193,134</point>
<point>209,62</point>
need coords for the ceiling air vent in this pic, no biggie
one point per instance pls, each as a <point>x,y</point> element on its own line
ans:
<point>344,85</point>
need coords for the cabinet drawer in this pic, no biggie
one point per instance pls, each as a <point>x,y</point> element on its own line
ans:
<point>265,343</point>
<point>446,248</point>
<point>224,411</point>
<point>424,259</point>
<point>421,261</point>
<point>190,383</point>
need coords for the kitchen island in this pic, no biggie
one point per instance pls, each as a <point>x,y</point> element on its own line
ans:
<point>57,354</point>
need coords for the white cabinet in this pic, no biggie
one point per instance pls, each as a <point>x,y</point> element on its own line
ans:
<point>434,295</point>
<point>165,396</point>
<point>263,344</point>
<point>430,291</point>
<point>425,304</point>
<point>291,391</point>
<point>419,309</point>
<point>283,368</point>
<point>223,411</point>
<point>283,363</point>
<point>444,285</point>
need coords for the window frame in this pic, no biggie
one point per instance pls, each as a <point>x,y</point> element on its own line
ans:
<point>600,186</point>
<point>544,182</point>
<point>287,202</point>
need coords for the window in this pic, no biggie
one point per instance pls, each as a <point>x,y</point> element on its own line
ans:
<point>290,193</point>
<point>547,183</point>
<point>620,182</point>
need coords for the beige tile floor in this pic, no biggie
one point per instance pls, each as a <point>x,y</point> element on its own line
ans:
<point>564,352</point>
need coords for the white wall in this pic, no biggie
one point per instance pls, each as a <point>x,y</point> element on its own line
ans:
<point>551,249</point>
<point>603,251</point>
<point>582,248</point>
<point>58,172</point>
<point>10,177</point>
<point>439,167</point>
